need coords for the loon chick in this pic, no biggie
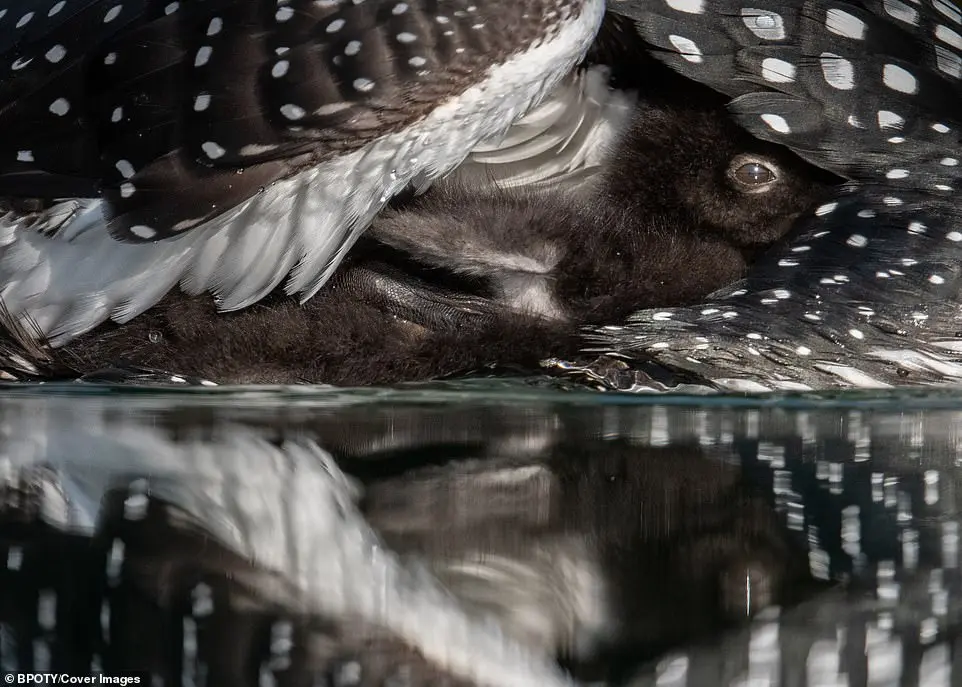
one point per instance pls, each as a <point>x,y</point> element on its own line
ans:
<point>461,278</point>
<point>866,291</point>
<point>227,144</point>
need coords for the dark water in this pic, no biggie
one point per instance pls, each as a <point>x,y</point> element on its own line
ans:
<point>485,532</point>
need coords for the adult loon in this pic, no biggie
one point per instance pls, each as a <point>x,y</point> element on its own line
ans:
<point>469,275</point>
<point>866,291</point>
<point>224,145</point>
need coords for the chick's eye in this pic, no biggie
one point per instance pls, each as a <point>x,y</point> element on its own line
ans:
<point>753,174</point>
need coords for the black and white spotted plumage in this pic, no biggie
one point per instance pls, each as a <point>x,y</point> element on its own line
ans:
<point>866,293</point>
<point>866,298</point>
<point>467,277</point>
<point>235,143</point>
<point>160,105</point>
<point>839,79</point>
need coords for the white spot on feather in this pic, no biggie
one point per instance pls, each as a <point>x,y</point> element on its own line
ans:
<point>689,6</point>
<point>890,120</point>
<point>837,71</point>
<point>212,150</point>
<point>777,71</point>
<point>777,123</point>
<point>765,24</point>
<point>686,48</point>
<point>60,107</point>
<point>844,24</point>
<point>899,79</point>
<point>56,53</point>
<point>142,231</point>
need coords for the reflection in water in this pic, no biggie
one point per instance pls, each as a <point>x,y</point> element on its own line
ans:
<point>358,541</point>
<point>601,546</point>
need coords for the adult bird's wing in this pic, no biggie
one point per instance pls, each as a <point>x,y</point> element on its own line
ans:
<point>568,138</point>
<point>866,292</point>
<point>225,144</point>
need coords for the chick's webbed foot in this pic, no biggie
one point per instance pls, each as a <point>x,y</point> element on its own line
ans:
<point>400,293</point>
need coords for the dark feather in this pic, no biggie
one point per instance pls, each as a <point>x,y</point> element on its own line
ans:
<point>178,112</point>
<point>25,352</point>
<point>866,291</point>
<point>853,87</point>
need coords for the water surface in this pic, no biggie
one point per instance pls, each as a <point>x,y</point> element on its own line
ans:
<point>371,536</point>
